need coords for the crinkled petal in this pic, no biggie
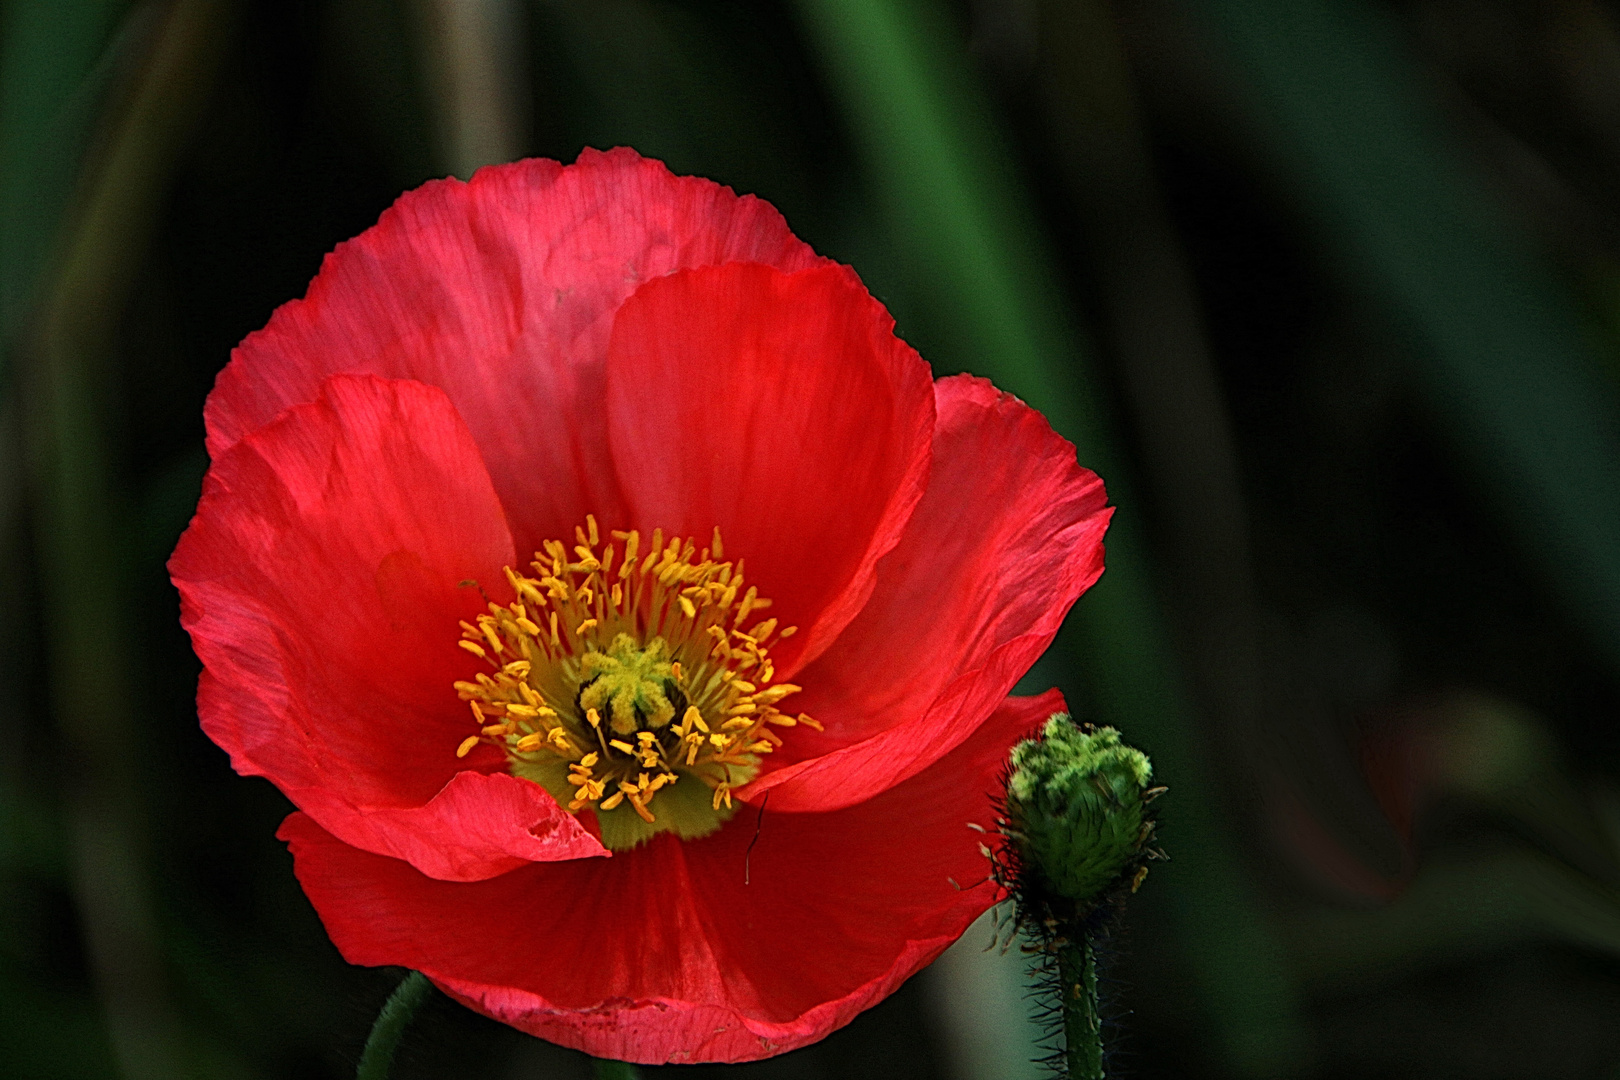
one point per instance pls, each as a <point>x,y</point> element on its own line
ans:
<point>501,291</point>
<point>319,582</point>
<point>730,948</point>
<point>729,403</point>
<point>1007,536</point>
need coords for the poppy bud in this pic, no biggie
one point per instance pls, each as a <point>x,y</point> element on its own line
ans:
<point>1077,826</point>
<point>1077,811</point>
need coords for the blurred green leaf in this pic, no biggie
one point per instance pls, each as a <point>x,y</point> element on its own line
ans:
<point>1353,125</point>
<point>961,218</point>
<point>82,528</point>
<point>1455,909</point>
<point>48,51</point>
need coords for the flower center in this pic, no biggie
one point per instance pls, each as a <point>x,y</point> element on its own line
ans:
<point>634,686</point>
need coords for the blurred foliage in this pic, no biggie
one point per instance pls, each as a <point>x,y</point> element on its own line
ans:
<point>1328,290</point>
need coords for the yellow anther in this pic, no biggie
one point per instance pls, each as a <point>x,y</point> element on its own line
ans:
<point>651,626</point>
<point>466,745</point>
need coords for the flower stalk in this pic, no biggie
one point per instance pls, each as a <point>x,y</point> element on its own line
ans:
<point>1078,831</point>
<point>378,1056</point>
<point>1082,1015</point>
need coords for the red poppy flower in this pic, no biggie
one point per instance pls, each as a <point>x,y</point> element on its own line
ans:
<point>628,613</point>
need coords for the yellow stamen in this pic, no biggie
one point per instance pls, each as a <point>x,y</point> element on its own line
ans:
<point>651,656</point>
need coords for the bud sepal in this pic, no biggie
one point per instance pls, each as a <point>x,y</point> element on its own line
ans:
<point>1077,830</point>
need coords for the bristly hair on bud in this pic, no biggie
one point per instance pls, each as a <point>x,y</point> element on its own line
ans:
<point>1078,830</point>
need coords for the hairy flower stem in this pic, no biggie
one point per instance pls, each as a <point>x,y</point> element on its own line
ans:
<point>1082,1025</point>
<point>616,1070</point>
<point>378,1056</point>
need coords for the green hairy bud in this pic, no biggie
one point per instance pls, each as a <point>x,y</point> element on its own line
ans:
<point>1077,828</point>
<point>1077,810</point>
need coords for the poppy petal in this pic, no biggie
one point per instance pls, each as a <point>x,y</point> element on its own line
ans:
<point>713,950</point>
<point>501,291</point>
<point>323,599</point>
<point>1007,536</point>
<point>728,404</point>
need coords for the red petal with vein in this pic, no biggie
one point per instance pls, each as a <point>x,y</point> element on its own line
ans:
<point>502,292</point>
<point>729,403</point>
<point>1007,536</point>
<point>701,951</point>
<point>319,584</point>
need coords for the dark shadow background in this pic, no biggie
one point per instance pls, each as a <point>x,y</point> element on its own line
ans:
<point>1327,290</point>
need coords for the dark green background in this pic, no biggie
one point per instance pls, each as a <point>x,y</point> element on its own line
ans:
<point>1327,290</point>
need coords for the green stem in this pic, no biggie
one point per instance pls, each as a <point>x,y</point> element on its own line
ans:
<point>396,1014</point>
<point>1082,1024</point>
<point>616,1070</point>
